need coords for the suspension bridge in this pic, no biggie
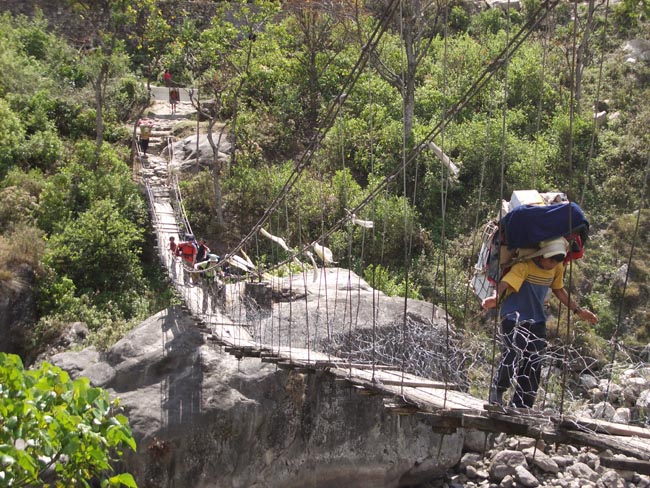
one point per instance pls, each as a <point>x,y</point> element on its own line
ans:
<point>252,315</point>
<point>240,317</point>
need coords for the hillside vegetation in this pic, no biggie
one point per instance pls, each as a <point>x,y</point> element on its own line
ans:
<point>274,73</point>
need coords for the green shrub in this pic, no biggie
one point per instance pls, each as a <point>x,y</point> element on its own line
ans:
<point>12,134</point>
<point>384,280</point>
<point>56,431</point>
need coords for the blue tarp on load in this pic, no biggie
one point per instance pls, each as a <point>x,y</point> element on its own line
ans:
<point>528,225</point>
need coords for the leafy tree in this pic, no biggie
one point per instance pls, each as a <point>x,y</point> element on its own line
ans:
<point>58,432</point>
<point>416,23</point>
<point>99,252</point>
<point>224,60</point>
<point>315,28</point>
<point>107,21</point>
<point>151,37</point>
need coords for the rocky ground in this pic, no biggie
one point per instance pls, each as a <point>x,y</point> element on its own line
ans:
<point>511,462</point>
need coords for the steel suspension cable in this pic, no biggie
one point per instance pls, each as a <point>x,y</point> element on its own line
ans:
<point>444,182</point>
<point>502,173</point>
<point>540,102</point>
<point>595,125</point>
<point>572,95</point>
<point>635,235</point>
<point>484,78</point>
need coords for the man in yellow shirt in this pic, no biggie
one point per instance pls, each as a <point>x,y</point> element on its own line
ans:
<point>523,320</point>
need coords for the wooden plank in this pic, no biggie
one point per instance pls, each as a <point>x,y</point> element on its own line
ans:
<point>414,384</point>
<point>433,398</point>
<point>420,398</point>
<point>605,427</point>
<point>626,445</point>
<point>400,407</point>
<point>343,363</point>
<point>642,467</point>
<point>271,359</point>
<point>411,378</point>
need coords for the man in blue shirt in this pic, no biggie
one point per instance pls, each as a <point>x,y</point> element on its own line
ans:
<point>523,320</point>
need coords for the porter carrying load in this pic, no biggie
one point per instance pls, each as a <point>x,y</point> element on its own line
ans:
<point>530,219</point>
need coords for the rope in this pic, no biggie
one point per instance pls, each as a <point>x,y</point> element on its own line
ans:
<point>570,160</point>
<point>595,125</point>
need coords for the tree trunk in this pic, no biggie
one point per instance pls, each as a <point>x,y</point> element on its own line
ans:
<point>216,172</point>
<point>99,104</point>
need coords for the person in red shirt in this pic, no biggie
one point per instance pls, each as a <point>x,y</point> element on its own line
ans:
<point>187,251</point>
<point>167,78</point>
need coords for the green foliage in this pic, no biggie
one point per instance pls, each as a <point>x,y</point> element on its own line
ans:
<point>12,133</point>
<point>489,21</point>
<point>629,13</point>
<point>99,253</point>
<point>384,280</point>
<point>459,18</point>
<point>58,432</point>
<point>85,180</point>
<point>125,98</point>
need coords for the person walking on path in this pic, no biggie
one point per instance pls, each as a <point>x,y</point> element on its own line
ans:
<point>523,320</point>
<point>167,78</point>
<point>145,134</point>
<point>187,251</point>
<point>174,98</point>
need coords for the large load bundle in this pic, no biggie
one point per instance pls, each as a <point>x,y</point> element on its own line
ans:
<point>528,220</point>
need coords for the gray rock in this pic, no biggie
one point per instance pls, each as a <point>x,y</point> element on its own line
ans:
<point>636,383</point>
<point>582,471</point>
<point>525,477</point>
<point>644,399</point>
<point>622,415</point>
<point>188,158</point>
<point>638,49</point>
<point>596,395</point>
<point>612,391</point>
<point>477,441</point>
<point>507,482</point>
<point>590,459</point>
<point>538,458</point>
<point>562,461</point>
<point>504,463</point>
<point>470,459</point>
<point>604,410</point>
<point>471,472</point>
<point>588,382</point>
<point>611,479</point>
<point>643,481</point>
<point>199,414</point>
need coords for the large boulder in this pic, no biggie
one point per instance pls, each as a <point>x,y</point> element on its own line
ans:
<point>204,419</point>
<point>188,157</point>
